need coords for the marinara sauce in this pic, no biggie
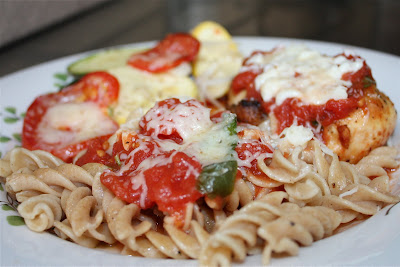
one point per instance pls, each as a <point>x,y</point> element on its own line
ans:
<point>148,174</point>
<point>294,110</point>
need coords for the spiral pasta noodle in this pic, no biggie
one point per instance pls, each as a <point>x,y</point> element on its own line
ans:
<point>23,160</point>
<point>41,212</point>
<point>306,196</point>
<point>324,180</point>
<point>281,225</point>
<point>297,226</point>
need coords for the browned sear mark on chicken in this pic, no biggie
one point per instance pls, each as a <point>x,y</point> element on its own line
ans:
<point>344,135</point>
<point>249,111</point>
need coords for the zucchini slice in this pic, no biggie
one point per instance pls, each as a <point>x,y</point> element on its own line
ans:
<point>103,60</point>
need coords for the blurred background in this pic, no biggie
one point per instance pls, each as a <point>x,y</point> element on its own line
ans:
<point>35,31</point>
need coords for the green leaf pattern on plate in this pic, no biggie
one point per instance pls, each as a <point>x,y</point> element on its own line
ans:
<point>4,139</point>
<point>11,119</point>
<point>17,136</point>
<point>6,207</point>
<point>61,76</point>
<point>11,115</point>
<point>11,110</point>
<point>15,220</point>
<point>62,80</point>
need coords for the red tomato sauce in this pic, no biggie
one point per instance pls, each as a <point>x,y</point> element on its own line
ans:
<point>255,147</point>
<point>173,183</point>
<point>251,150</point>
<point>148,175</point>
<point>168,180</point>
<point>293,109</point>
<point>96,152</point>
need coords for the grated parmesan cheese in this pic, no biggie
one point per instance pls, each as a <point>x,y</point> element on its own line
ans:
<point>298,72</point>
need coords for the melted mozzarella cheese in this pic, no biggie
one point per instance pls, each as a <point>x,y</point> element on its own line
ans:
<point>71,123</point>
<point>186,120</point>
<point>207,141</point>
<point>298,72</point>
<point>297,135</point>
<point>212,146</point>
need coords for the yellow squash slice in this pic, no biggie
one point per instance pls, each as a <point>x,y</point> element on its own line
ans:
<point>219,60</point>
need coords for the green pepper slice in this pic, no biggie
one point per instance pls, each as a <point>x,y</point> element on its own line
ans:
<point>217,179</point>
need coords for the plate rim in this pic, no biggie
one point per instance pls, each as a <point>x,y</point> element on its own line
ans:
<point>108,258</point>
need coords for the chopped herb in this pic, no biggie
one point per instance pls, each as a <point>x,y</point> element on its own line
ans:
<point>231,122</point>
<point>23,114</point>
<point>368,81</point>
<point>1,186</point>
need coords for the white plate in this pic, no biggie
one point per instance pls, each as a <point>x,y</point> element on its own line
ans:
<point>374,242</point>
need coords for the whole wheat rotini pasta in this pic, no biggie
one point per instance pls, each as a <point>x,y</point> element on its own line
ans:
<point>321,193</point>
<point>63,230</point>
<point>24,160</point>
<point>297,226</point>
<point>41,212</point>
<point>276,222</point>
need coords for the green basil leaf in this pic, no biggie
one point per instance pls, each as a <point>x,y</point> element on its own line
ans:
<point>218,179</point>
<point>368,81</point>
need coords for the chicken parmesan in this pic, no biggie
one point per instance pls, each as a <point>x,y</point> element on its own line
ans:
<point>335,96</point>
